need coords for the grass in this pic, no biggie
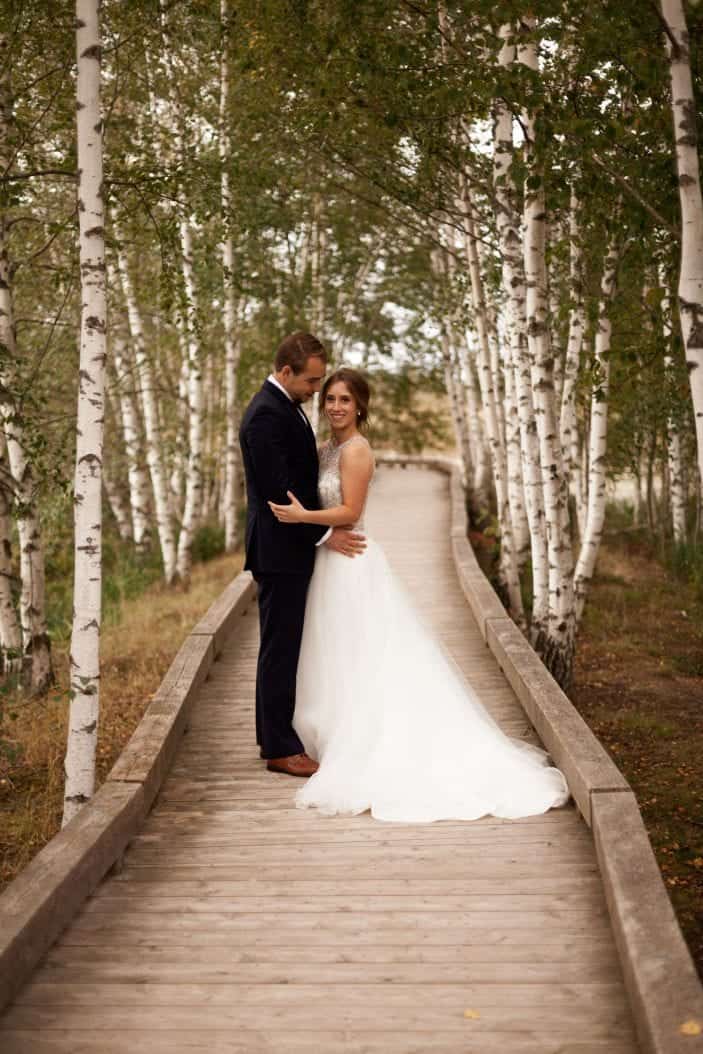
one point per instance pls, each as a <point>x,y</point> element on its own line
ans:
<point>139,640</point>
<point>638,682</point>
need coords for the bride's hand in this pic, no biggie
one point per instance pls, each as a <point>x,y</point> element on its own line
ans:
<point>293,513</point>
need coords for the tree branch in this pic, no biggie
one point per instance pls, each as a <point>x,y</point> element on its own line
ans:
<point>638,197</point>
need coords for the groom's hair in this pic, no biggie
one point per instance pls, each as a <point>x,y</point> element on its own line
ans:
<point>295,350</point>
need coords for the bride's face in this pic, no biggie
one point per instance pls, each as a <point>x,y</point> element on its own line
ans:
<point>340,406</point>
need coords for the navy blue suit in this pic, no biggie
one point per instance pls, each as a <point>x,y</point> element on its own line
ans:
<point>279,454</point>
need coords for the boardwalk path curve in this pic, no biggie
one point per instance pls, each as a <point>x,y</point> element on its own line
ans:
<point>239,924</point>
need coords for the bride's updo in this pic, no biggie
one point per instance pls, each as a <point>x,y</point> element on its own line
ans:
<point>359,388</point>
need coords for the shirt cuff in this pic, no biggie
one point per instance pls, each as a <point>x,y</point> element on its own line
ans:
<point>324,537</point>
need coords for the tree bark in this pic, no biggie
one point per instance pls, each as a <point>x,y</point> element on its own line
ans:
<point>36,649</point>
<point>517,350</point>
<point>85,638</point>
<point>492,417</point>
<point>10,632</point>
<point>194,468</point>
<point>595,517</point>
<point>677,489</point>
<point>568,424</point>
<point>152,431</point>
<point>557,644</point>
<point>137,477</point>
<point>690,290</point>
<point>232,342</point>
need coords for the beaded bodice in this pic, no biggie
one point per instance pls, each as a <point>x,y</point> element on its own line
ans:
<point>329,482</point>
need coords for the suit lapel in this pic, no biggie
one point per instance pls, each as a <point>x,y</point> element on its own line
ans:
<point>293,408</point>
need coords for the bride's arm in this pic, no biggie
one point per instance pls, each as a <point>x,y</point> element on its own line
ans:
<point>356,469</point>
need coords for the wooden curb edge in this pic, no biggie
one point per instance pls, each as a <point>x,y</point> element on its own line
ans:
<point>663,987</point>
<point>43,899</point>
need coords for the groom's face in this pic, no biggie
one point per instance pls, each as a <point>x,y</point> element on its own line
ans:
<point>302,386</point>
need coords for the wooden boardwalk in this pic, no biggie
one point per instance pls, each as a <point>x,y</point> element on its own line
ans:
<point>240,924</point>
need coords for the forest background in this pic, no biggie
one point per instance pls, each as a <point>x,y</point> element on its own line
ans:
<point>495,212</point>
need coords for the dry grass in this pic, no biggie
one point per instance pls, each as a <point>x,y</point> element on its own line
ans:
<point>135,654</point>
<point>638,681</point>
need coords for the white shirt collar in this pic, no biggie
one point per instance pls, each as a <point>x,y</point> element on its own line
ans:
<point>290,398</point>
<point>272,380</point>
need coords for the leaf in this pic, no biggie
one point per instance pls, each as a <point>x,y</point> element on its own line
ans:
<point>474,1015</point>
<point>691,1028</point>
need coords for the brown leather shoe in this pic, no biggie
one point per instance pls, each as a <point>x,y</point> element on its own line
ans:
<point>296,765</point>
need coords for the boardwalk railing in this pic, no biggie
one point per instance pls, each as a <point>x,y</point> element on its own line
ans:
<point>38,905</point>
<point>661,980</point>
<point>663,988</point>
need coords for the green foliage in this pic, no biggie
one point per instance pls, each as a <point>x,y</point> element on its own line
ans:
<point>209,541</point>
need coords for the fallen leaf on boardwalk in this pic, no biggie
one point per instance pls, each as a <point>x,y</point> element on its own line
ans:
<point>474,1014</point>
<point>691,1028</point>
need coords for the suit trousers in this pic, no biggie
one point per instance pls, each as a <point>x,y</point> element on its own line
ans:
<point>281,615</point>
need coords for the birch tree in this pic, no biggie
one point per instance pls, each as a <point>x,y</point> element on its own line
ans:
<point>137,477</point>
<point>232,342</point>
<point>85,638</point>
<point>557,647</point>
<point>36,652</point>
<point>595,517</point>
<point>677,490</point>
<point>152,428</point>
<point>510,243</point>
<point>10,634</point>
<point>690,291</point>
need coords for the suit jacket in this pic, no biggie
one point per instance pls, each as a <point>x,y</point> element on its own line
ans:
<point>279,454</point>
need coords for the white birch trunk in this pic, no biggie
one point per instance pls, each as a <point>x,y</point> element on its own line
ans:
<point>478,483</point>
<point>208,438</point>
<point>556,648</point>
<point>513,453</point>
<point>568,425</point>
<point>691,201</point>
<point>677,490</point>
<point>513,280</point>
<point>85,638</point>
<point>194,468</point>
<point>36,651</point>
<point>152,431</point>
<point>137,476</point>
<point>232,342</point>
<point>489,399</point>
<point>10,632</point>
<point>452,378</point>
<point>595,517</point>
<point>318,295</point>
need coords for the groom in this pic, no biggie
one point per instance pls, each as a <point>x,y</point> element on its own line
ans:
<point>280,454</point>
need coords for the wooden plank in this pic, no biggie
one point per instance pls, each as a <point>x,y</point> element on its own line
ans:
<point>605,1023</point>
<point>67,966</point>
<point>660,975</point>
<point>266,1041</point>
<point>561,728</point>
<point>596,996</point>
<point>149,753</point>
<point>347,902</point>
<point>220,619</point>
<point>592,952</point>
<point>142,884</point>
<point>38,904</point>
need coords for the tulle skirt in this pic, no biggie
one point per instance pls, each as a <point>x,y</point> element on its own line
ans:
<point>388,715</point>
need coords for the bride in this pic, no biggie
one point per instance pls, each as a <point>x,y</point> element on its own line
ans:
<point>393,724</point>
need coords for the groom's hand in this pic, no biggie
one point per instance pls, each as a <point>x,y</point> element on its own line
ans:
<point>346,541</point>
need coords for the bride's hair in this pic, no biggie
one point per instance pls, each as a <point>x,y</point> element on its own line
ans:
<point>359,388</point>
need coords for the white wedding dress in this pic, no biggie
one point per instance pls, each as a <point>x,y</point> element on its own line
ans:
<point>390,718</point>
